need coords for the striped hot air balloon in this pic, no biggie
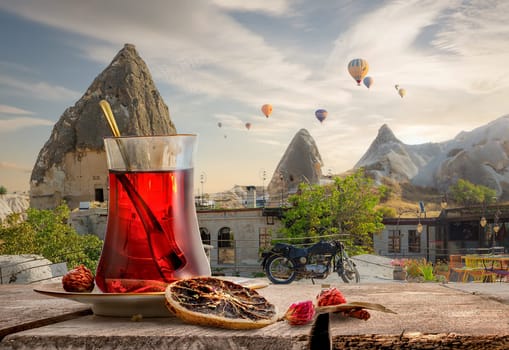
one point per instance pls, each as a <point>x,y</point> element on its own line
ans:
<point>358,68</point>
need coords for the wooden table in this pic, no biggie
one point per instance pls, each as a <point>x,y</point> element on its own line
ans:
<point>428,315</point>
<point>485,260</point>
<point>485,267</point>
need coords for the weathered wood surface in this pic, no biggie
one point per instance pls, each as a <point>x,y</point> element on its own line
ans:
<point>429,316</point>
<point>21,308</point>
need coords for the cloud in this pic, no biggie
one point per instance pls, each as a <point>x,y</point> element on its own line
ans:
<point>450,55</point>
<point>4,109</point>
<point>9,125</point>
<point>195,46</point>
<point>434,44</point>
<point>39,90</point>
<point>278,7</point>
<point>12,66</point>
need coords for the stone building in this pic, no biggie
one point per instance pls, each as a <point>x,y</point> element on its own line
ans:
<point>237,236</point>
<point>459,230</point>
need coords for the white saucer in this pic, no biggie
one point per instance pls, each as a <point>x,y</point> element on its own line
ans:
<point>128,304</point>
<point>112,304</point>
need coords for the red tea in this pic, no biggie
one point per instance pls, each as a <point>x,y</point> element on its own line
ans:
<point>152,233</point>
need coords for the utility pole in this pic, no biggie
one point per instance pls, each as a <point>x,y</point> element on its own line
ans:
<point>263,175</point>
<point>203,179</point>
<point>282,178</point>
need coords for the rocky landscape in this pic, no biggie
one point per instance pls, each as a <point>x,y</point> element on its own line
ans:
<point>480,156</point>
<point>71,165</point>
<point>13,203</point>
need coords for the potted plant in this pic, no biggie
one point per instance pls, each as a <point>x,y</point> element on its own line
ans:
<point>399,271</point>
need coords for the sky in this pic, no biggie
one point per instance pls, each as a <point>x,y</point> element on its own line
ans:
<point>219,61</point>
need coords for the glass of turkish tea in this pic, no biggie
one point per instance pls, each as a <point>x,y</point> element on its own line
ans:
<point>152,236</point>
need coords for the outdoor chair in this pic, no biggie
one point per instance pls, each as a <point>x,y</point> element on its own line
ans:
<point>476,270</point>
<point>480,275</point>
<point>457,268</point>
<point>500,274</point>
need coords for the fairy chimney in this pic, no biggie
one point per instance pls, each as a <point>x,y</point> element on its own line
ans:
<point>71,166</point>
<point>301,162</point>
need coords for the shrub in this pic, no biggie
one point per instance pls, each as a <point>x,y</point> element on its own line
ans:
<point>46,233</point>
<point>412,268</point>
<point>420,268</point>
<point>426,269</point>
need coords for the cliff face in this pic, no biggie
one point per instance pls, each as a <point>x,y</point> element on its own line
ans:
<point>72,164</point>
<point>301,162</point>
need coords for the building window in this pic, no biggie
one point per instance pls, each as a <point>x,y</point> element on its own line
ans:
<point>99,195</point>
<point>225,238</point>
<point>264,238</point>
<point>226,246</point>
<point>205,235</point>
<point>414,241</point>
<point>394,241</point>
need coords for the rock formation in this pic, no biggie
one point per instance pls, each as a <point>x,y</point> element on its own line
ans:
<point>480,156</point>
<point>72,164</point>
<point>387,156</point>
<point>301,162</point>
<point>29,268</point>
<point>13,204</point>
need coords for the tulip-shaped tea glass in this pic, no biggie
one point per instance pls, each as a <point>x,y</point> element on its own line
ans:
<point>152,237</point>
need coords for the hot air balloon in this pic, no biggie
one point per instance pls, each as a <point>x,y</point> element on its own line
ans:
<point>267,109</point>
<point>358,68</point>
<point>321,114</point>
<point>248,126</point>
<point>402,92</point>
<point>219,124</point>
<point>368,81</point>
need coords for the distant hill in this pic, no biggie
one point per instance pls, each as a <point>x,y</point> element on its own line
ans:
<point>480,156</point>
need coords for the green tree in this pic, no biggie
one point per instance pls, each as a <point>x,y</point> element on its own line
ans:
<point>388,212</point>
<point>466,193</point>
<point>3,190</point>
<point>346,207</point>
<point>47,233</point>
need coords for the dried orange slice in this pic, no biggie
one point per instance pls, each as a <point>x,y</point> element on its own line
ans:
<point>215,302</point>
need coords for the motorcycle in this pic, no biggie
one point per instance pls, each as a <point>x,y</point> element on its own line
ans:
<point>284,262</point>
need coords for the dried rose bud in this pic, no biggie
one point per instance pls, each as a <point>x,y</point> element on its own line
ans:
<point>80,279</point>
<point>362,314</point>
<point>330,296</point>
<point>300,313</point>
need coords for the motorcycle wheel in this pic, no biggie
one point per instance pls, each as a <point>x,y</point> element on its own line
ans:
<point>280,270</point>
<point>350,272</point>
